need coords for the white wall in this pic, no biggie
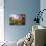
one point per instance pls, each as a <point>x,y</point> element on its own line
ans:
<point>1,21</point>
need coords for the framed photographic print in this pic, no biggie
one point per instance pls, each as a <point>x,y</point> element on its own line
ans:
<point>17,19</point>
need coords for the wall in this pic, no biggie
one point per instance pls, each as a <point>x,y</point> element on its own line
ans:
<point>1,21</point>
<point>29,7</point>
<point>43,6</point>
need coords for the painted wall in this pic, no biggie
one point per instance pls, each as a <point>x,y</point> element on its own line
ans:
<point>29,7</point>
<point>43,6</point>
